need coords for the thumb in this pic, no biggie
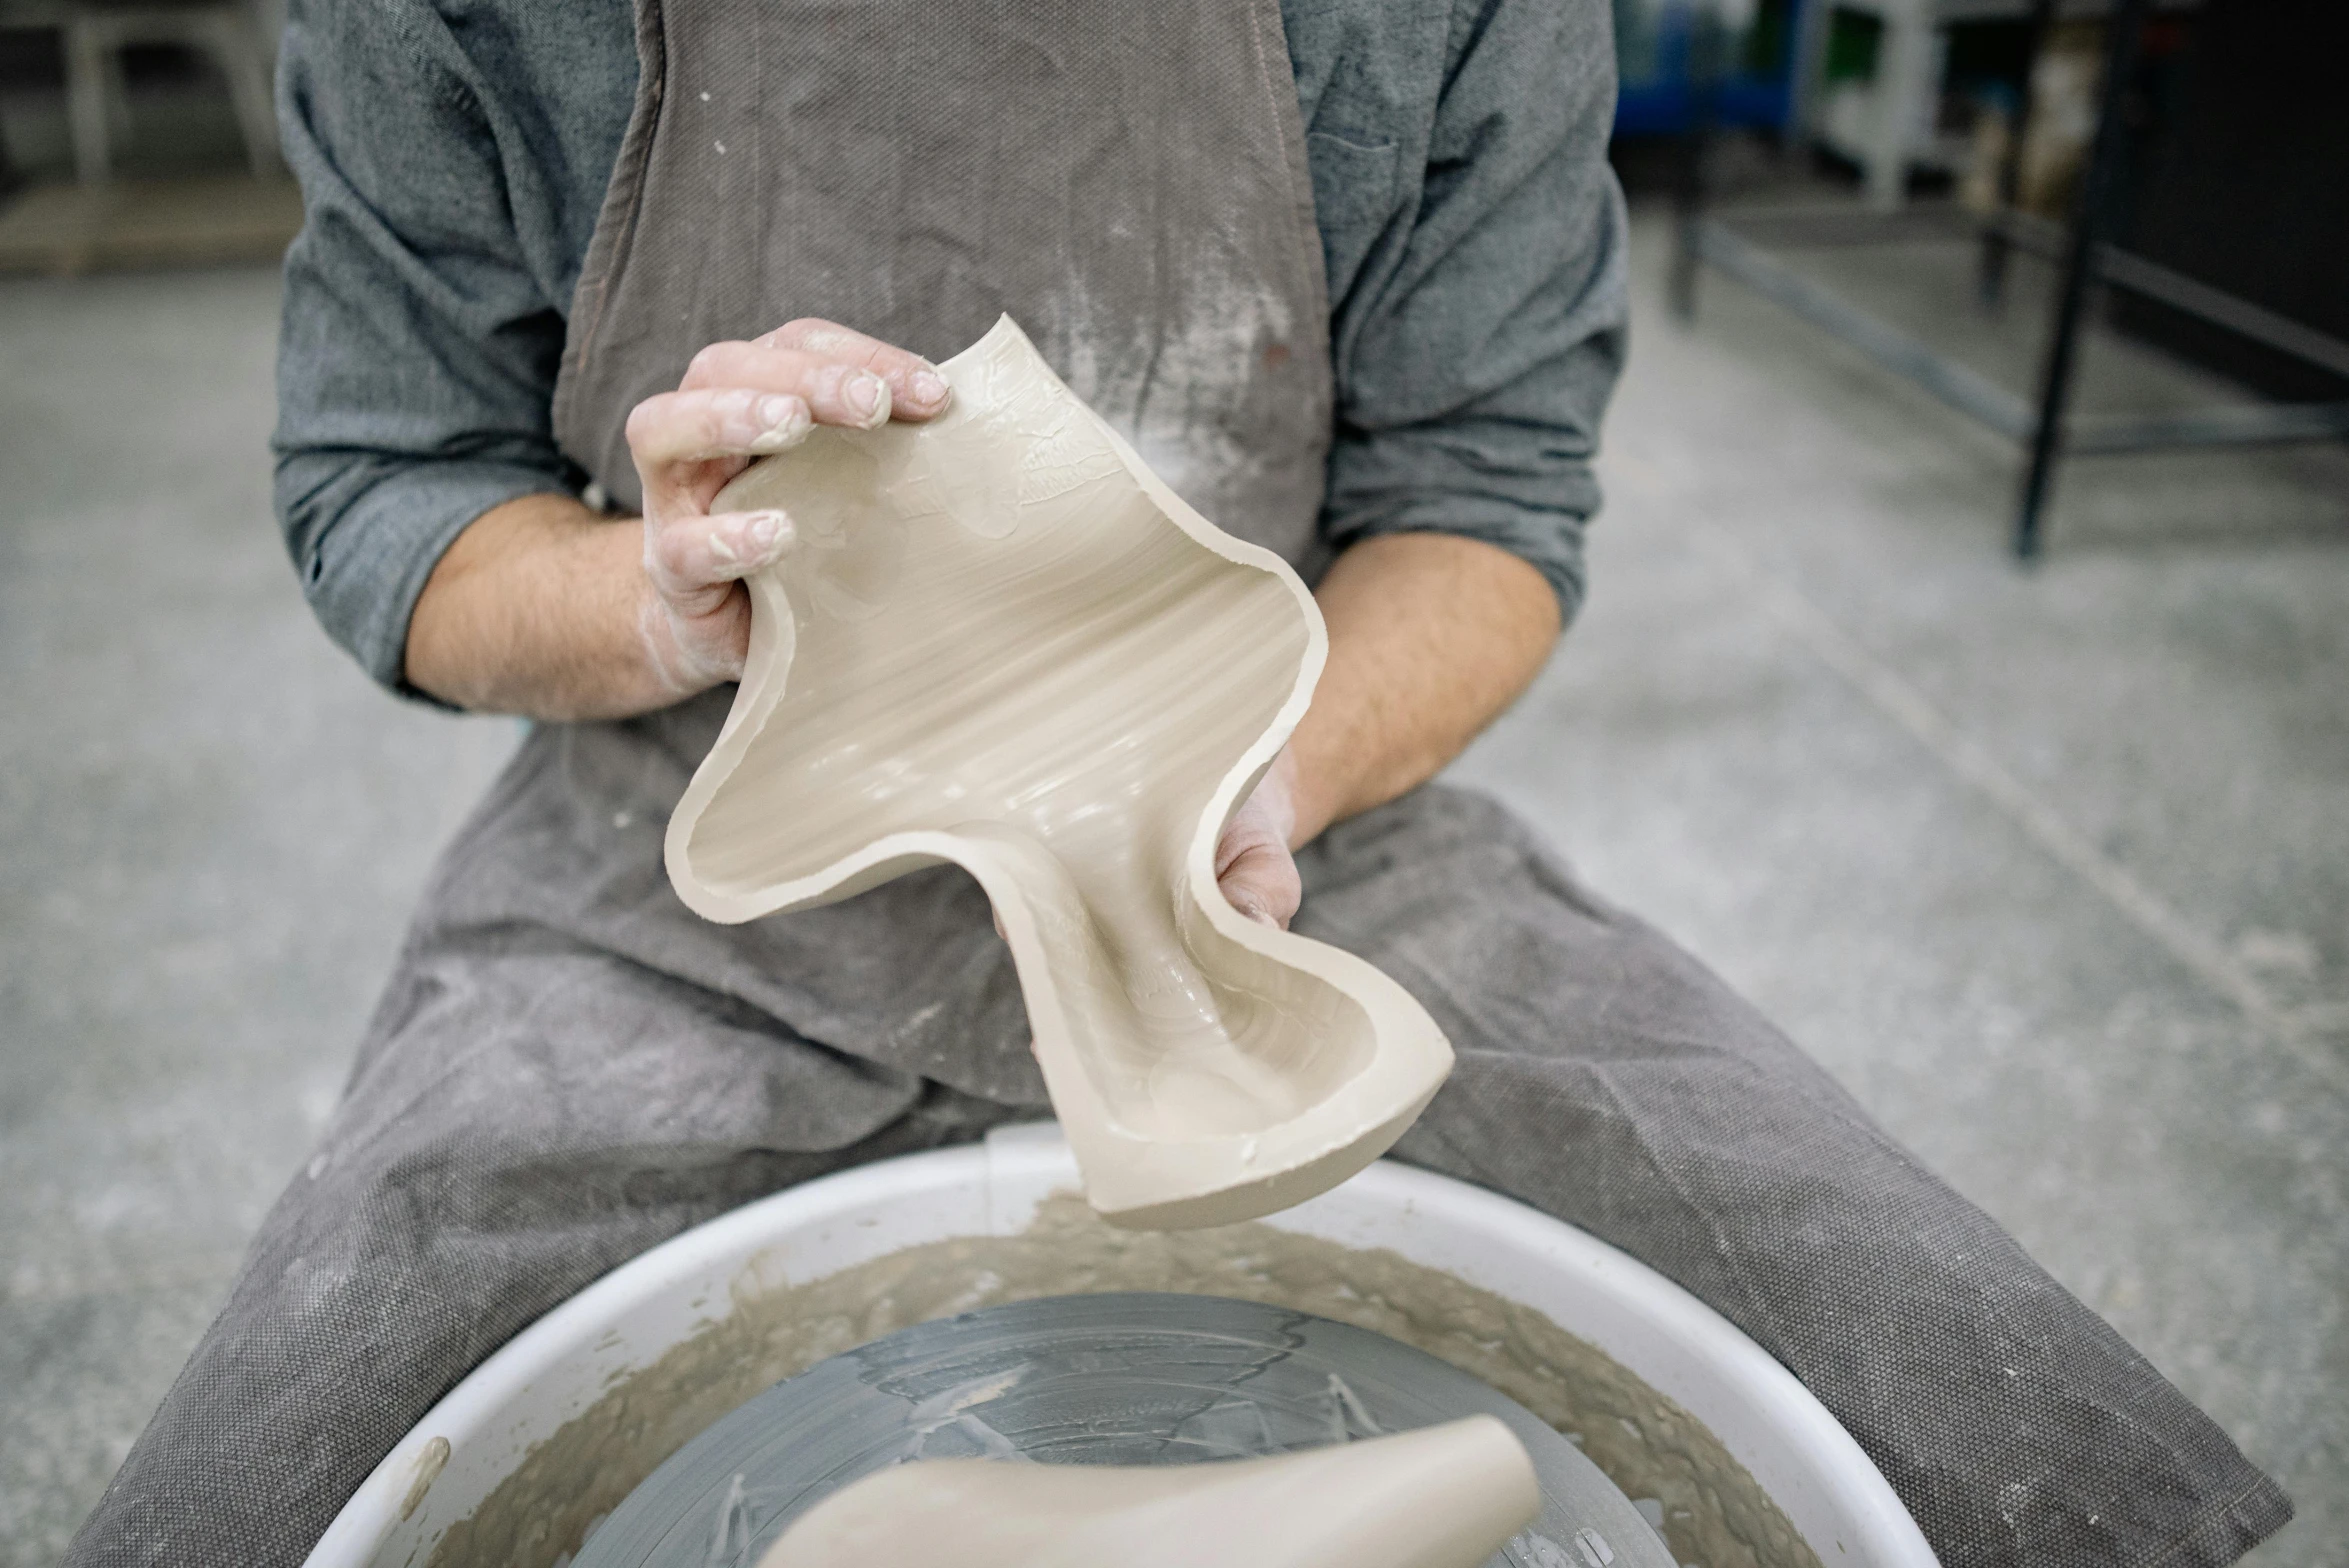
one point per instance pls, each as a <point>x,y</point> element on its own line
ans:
<point>1261,882</point>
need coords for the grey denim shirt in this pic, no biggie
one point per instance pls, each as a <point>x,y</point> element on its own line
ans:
<point>453,156</point>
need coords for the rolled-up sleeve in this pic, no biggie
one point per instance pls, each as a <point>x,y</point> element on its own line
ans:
<point>418,350</point>
<point>1478,343</point>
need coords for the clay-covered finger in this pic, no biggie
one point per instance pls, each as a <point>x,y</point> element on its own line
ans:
<point>688,427</point>
<point>917,390</point>
<point>1261,882</point>
<point>694,560</point>
<point>837,391</point>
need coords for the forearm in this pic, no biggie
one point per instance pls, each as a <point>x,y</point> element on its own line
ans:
<point>1431,637</point>
<point>543,608</point>
<point>538,609</point>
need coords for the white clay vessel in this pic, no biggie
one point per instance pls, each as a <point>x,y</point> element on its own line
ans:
<point>1001,641</point>
<point>1444,1496</point>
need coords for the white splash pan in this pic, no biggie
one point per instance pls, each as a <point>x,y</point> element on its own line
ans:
<point>563,1363</point>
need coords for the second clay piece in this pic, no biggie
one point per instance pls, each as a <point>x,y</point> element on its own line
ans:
<point>1442,1497</point>
<point>1002,642</point>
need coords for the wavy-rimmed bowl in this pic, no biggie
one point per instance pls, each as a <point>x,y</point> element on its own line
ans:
<point>999,640</point>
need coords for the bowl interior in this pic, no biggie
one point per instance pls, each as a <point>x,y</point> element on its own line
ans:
<point>1682,1410</point>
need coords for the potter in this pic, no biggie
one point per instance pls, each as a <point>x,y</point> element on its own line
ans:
<point>1350,275</point>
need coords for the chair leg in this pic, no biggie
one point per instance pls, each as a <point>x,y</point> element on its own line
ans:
<point>118,100</point>
<point>236,43</point>
<point>85,92</point>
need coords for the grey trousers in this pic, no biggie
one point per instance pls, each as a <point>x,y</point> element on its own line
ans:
<point>545,1094</point>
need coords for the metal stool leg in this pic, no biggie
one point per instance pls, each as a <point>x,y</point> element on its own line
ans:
<point>1688,213</point>
<point>234,38</point>
<point>1704,71</point>
<point>86,44</point>
<point>2089,208</point>
<point>1990,279</point>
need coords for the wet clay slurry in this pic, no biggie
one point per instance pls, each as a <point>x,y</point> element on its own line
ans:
<point>1712,1510</point>
<point>1001,641</point>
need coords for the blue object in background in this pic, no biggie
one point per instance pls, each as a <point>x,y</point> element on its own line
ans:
<point>1655,48</point>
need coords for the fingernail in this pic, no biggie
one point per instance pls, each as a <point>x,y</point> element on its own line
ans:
<point>867,396</point>
<point>783,420</point>
<point>765,529</point>
<point>928,389</point>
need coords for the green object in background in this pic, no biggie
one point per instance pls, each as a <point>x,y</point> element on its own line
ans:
<point>1852,41</point>
<point>1767,38</point>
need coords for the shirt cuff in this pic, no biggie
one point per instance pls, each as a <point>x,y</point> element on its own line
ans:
<point>366,534</point>
<point>1435,482</point>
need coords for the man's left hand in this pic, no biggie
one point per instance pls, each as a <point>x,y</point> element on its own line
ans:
<point>1253,865</point>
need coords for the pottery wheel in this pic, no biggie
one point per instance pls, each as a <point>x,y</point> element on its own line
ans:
<point>1137,1379</point>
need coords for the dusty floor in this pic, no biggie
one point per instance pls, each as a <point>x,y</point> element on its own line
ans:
<point>2051,868</point>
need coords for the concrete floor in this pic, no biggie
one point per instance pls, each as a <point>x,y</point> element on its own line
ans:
<point>2051,869</point>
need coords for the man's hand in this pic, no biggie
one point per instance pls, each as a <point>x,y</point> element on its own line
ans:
<point>543,608</point>
<point>1430,637</point>
<point>1253,865</point>
<point>740,401</point>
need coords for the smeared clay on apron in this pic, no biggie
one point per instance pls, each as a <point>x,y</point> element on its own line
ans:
<point>1148,218</point>
<point>1127,182</point>
<point>1711,1510</point>
<point>1001,641</point>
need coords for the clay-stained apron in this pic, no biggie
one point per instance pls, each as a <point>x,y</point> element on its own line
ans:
<point>1128,181</point>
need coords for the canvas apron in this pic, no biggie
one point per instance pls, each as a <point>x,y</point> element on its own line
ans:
<point>1127,181</point>
<point>568,1067</point>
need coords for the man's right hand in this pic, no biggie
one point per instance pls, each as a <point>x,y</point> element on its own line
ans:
<point>543,608</point>
<point>740,401</point>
